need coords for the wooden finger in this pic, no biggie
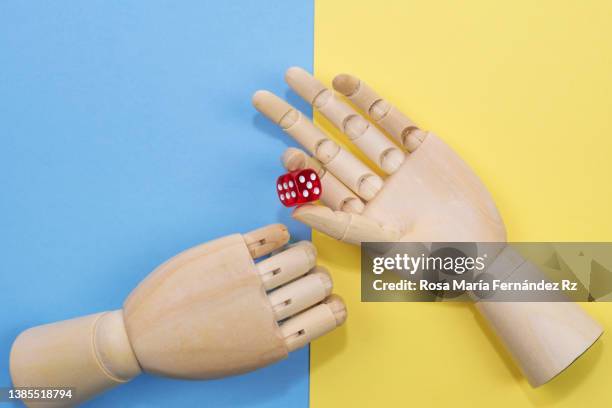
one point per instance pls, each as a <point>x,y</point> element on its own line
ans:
<point>366,137</point>
<point>301,294</point>
<point>264,240</point>
<point>287,265</point>
<point>351,228</point>
<point>301,329</point>
<point>344,165</point>
<point>380,111</point>
<point>334,194</point>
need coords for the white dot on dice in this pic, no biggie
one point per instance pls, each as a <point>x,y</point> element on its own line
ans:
<point>305,193</point>
<point>309,185</point>
<point>316,190</point>
<point>280,187</point>
<point>285,185</point>
<point>293,194</point>
<point>287,195</point>
<point>282,197</point>
<point>291,184</point>
<point>302,179</point>
<point>313,177</point>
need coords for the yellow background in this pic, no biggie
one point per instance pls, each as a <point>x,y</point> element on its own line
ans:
<point>522,91</point>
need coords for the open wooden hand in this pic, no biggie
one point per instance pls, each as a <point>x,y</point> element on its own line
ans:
<point>208,312</point>
<point>429,195</point>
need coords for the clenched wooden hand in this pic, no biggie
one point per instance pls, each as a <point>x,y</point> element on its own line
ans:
<point>208,312</point>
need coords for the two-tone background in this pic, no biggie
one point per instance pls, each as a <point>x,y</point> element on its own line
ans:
<point>127,135</point>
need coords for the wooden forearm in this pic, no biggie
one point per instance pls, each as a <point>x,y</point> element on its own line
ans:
<point>544,338</point>
<point>89,354</point>
<point>544,332</point>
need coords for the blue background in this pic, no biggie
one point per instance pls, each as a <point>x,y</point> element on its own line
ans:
<point>127,135</point>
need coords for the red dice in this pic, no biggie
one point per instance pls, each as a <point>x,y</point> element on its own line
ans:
<point>298,187</point>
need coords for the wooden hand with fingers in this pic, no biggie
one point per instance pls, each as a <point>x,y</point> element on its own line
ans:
<point>209,312</point>
<point>429,195</point>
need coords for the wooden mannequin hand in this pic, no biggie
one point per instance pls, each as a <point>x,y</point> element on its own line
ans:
<point>429,195</point>
<point>208,312</point>
<point>211,311</point>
